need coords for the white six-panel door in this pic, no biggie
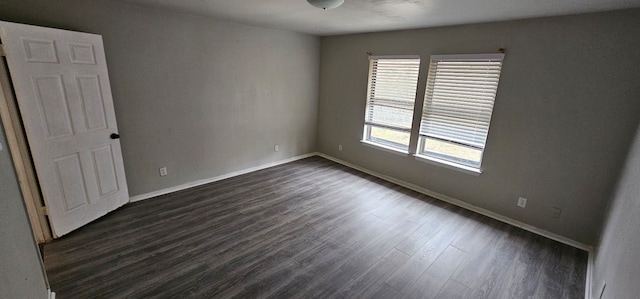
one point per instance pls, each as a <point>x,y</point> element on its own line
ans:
<point>62,87</point>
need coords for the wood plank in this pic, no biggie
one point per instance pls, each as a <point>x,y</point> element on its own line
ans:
<point>575,260</point>
<point>473,267</point>
<point>493,279</point>
<point>366,285</point>
<point>386,292</point>
<point>428,253</point>
<point>478,237</point>
<point>353,263</point>
<point>523,279</point>
<point>552,274</point>
<point>453,290</point>
<point>439,218</point>
<point>429,284</point>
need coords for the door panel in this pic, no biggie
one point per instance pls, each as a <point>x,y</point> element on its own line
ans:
<point>82,53</point>
<point>52,102</point>
<point>92,103</point>
<point>62,87</point>
<point>104,162</point>
<point>70,176</point>
<point>40,50</point>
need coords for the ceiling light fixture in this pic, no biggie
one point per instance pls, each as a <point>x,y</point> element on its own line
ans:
<point>326,4</point>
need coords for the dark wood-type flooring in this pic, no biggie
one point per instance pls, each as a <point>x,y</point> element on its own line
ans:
<point>308,229</point>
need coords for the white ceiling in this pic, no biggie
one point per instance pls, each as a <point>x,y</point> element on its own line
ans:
<point>378,15</point>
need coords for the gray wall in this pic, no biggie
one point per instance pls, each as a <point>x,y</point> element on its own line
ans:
<point>617,259</point>
<point>21,273</point>
<point>200,96</point>
<point>566,111</point>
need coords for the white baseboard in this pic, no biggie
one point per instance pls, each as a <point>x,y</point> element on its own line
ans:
<point>467,206</point>
<point>215,179</point>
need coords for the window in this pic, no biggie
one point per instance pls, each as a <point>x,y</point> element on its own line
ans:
<point>390,100</point>
<point>461,90</point>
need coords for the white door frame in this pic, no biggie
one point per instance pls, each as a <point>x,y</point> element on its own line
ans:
<point>21,157</point>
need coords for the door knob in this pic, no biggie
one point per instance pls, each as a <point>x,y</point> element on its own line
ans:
<point>115,136</point>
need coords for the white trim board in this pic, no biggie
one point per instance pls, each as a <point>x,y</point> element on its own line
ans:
<point>479,210</point>
<point>215,179</point>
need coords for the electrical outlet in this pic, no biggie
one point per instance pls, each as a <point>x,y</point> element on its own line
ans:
<point>555,212</point>
<point>276,147</point>
<point>522,202</point>
<point>340,147</point>
<point>163,171</point>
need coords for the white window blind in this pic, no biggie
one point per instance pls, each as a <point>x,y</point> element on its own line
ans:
<point>391,96</point>
<point>459,98</point>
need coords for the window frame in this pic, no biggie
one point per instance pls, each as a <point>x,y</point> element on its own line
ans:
<point>384,144</point>
<point>448,160</point>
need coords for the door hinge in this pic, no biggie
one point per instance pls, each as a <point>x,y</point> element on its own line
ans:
<point>43,210</point>
<point>2,50</point>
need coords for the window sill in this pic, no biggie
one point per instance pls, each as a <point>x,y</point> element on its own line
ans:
<point>384,148</point>
<point>450,165</point>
